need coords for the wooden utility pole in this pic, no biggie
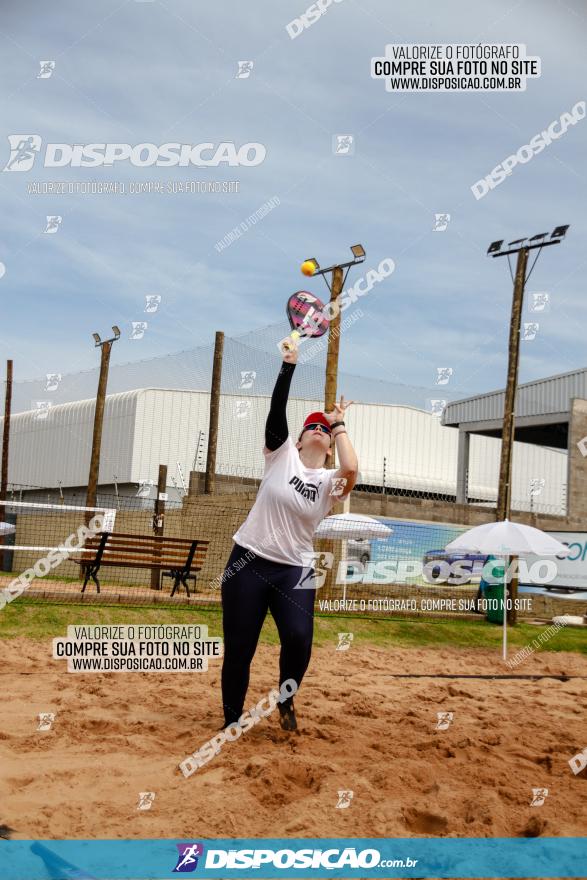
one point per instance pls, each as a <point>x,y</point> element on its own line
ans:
<point>105,348</point>
<point>331,384</point>
<point>330,391</point>
<point>159,519</point>
<point>6,431</point>
<point>330,387</point>
<point>5,448</point>
<point>521,247</point>
<point>504,495</point>
<point>209,483</point>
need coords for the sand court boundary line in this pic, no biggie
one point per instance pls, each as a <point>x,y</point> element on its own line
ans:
<point>562,678</point>
<point>485,677</point>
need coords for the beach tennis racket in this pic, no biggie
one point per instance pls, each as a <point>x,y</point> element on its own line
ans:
<point>304,312</point>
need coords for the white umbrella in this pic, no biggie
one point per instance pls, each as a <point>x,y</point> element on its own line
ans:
<point>508,539</point>
<point>353,526</point>
<point>7,528</point>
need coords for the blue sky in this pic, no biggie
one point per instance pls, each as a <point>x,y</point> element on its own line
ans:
<point>157,72</point>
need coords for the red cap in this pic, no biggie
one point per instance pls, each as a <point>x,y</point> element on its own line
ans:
<point>317,418</point>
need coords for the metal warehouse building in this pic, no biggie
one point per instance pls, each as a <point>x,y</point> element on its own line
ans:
<point>401,448</point>
<point>549,415</point>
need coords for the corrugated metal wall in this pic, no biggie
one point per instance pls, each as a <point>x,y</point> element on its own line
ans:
<point>145,428</point>
<point>544,397</point>
<point>46,451</point>
<point>168,425</point>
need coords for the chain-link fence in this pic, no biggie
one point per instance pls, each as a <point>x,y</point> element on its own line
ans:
<point>157,412</point>
<point>177,554</point>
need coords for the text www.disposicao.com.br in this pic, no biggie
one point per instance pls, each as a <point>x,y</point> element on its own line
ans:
<point>135,664</point>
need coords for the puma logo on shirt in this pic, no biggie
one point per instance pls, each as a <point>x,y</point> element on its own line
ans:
<point>307,490</point>
<point>280,525</point>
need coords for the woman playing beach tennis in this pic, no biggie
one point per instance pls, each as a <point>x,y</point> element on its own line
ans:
<point>274,545</point>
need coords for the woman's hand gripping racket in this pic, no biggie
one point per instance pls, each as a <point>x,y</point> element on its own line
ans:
<point>304,311</point>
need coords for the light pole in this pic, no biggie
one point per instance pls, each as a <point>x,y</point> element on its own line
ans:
<point>210,476</point>
<point>521,247</point>
<point>335,287</point>
<point>5,447</point>
<point>311,267</point>
<point>6,431</point>
<point>105,347</point>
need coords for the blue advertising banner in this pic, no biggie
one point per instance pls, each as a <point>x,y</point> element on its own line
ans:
<point>294,857</point>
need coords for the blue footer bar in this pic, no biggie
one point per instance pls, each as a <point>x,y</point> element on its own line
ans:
<point>294,857</point>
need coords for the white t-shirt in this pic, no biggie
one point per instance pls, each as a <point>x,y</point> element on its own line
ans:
<point>291,502</point>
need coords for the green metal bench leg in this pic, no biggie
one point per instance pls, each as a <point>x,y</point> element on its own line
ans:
<point>91,572</point>
<point>179,577</point>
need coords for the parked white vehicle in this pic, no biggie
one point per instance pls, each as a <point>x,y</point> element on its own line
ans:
<point>359,549</point>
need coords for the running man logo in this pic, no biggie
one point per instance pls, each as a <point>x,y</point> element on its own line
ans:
<point>338,486</point>
<point>187,860</point>
<point>242,408</point>
<point>436,407</point>
<point>315,568</point>
<point>539,795</point>
<point>244,69</point>
<point>444,720</point>
<point>146,799</point>
<point>23,151</point>
<point>530,330</point>
<point>441,222</point>
<point>41,408</point>
<point>443,375</point>
<point>46,719</point>
<point>47,68</point>
<point>537,484</point>
<point>343,145</point>
<point>138,329</point>
<point>344,641</point>
<point>53,380</point>
<point>247,378</point>
<point>53,223</point>
<point>539,302</point>
<point>345,797</point>
<point>152,302</point>
<point>311,491</point>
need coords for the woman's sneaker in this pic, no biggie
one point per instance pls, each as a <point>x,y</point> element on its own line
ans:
<point>287,716</point>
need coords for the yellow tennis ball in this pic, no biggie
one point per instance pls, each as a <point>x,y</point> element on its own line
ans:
<point>307,267</point>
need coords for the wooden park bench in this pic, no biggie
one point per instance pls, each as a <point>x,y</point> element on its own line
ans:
<point>177,558</point>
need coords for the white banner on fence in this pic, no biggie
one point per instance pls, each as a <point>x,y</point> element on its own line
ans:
<point>571,569</point>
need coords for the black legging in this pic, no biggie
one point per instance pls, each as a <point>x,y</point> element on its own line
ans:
<point>261,585</point>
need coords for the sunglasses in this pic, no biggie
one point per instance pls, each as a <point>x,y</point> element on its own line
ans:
<point>319,425</point>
